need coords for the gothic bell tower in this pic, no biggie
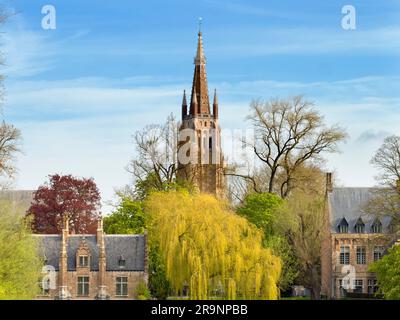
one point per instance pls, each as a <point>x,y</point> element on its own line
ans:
<point>200,158</point>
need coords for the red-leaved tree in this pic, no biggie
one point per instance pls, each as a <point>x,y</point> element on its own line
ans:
<point>78,198</point>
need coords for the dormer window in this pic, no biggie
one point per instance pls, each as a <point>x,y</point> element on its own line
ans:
<point>121,262</point>
<point>377,226</point>
<point>83,261</point>
<point>82,258</point>
<point>360,226</point>
<point>343,226</point>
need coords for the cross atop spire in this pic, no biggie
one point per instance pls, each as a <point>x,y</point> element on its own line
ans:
<point>200,21</point>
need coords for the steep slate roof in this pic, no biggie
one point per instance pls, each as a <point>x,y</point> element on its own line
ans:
<point>348,203</point>
<point>21,199</point>
<point>131,247</point>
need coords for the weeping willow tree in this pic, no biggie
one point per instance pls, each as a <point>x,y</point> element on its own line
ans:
<point>210,250</point>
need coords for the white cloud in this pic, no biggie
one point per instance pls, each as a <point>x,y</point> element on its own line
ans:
<point>27,52</point>
<point>72,128</point>
<point>302,40</point>
<point>371,135</point>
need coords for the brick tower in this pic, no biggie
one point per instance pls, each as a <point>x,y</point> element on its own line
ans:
<point>200,159</point>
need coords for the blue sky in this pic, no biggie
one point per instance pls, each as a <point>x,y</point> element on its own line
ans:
<point>79,92</point>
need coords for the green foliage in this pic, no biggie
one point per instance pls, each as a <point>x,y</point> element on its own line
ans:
<point>128,218</point>
<point>158,282</point>
<point>142,292</point>
<point>143,188</point>
<point>20,265</point>
<point>209,249</point>
<point>260,209</point>
<point>280,247</point>
<point>302,221</point>
<point>148,185</point>
<point>387,272</point>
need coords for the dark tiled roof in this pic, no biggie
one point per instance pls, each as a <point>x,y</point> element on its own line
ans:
<point>19,198</point>
<point>131,247</point>
<point>348,203</point>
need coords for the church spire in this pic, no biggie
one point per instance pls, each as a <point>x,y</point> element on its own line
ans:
<point>200,87</point>
<point>200,58</point>
<point>203,165</point>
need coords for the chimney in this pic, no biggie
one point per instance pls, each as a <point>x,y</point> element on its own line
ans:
<point>329,184</point>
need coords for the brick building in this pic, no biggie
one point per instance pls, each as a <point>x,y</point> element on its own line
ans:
<point>352,241</point>
<point>201,161</point>
<point>93,266</point>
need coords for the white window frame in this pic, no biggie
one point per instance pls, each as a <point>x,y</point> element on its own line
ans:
<point>361,255</point>
<point>378,251</point>
<point>84,283</point>
<point>44,292</point>
<point>120,282</point>
<point>344,255</point>
<point>358,283</point>
<point>84,258</point>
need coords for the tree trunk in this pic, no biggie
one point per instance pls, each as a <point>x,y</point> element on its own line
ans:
<point>315,284</point>
<point>271,183</point>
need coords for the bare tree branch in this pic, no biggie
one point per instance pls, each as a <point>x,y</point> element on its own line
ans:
<point>289,134</point>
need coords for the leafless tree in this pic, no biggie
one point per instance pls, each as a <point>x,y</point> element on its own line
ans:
<point>386,199</point>
<point>289,135</point>
<point>387,161</point>
<point>155,154</point>
<point>9,146</point>
<point>10,136</point>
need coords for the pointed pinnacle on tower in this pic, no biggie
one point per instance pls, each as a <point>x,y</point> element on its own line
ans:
<point>184,101</point>
<point>184,105</point>
<point>65,222</point>
<point>215,105</point>
<point>215,97</point>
